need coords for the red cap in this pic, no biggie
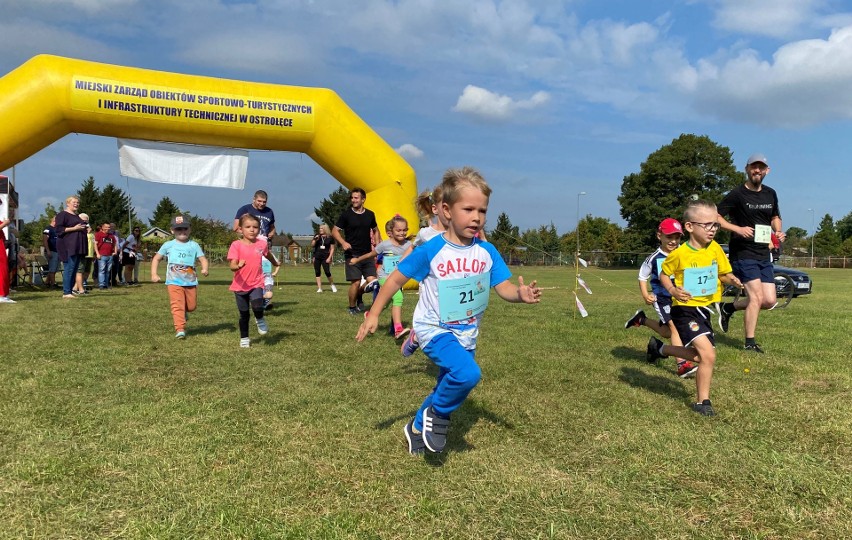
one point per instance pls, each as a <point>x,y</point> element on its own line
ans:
<point>670,226</point>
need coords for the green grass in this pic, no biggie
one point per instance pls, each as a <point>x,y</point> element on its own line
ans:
<point>112,428</point>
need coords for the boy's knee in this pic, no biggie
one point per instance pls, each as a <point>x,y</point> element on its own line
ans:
<point>257,303</point>
<point>470,376</point>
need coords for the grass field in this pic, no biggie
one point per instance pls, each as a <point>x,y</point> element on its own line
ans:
<point>111,428</point>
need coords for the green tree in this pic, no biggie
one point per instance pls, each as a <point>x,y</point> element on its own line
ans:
<point>109,204</point>
<point>31,234</point>
<point>691,166</point>
<point>796,238</point>
<point>504,235</point>
<point>826,240</point>
<point>90,201</point>
<point>210,231</point>
<point>331,208</point>
<point>163,214</point>
<point>844,227</point>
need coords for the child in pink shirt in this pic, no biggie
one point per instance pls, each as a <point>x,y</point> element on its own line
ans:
<point>245,256</point>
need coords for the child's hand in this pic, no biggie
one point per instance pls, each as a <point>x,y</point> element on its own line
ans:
<point>367,327</point>
<point>241,263</point>
<point>155,278</point>
<point>353,261</point>
<point>528,294</point>
<point>650,299</point>
<point>205,273</point>
<point>681,295</point>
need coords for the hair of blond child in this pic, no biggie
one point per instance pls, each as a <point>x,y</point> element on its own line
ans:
<point>694,206</point>
<point>248,217</point>
<point>393,221</point>
<point>427,200</point>
<point>454,180</point>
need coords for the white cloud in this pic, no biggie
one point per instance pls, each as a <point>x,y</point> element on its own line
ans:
<point>409,151</point>
<point>774,18</point>
<point>482,103</point>
<point>805,83</point>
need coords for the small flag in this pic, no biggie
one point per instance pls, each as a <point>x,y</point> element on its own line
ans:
<point>583,285</point>
<point>583,262</point>
<point>580,307</point>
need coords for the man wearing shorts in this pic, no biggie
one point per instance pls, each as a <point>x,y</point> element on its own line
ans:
<point>753,216</point>
<point>362,232</point>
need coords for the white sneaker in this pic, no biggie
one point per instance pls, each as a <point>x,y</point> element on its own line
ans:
<point>333,288</point>
<point>262,328</point>
<point>6,300</point>
<point>245,343</point>
<point>319,290</point>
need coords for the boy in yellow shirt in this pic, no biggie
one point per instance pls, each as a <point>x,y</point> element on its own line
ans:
<point>691,274</point>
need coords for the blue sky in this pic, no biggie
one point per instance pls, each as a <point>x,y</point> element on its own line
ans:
<point>546,98</point>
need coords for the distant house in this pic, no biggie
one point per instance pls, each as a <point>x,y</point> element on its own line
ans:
<point>156,232</point>
<point>299,247</point>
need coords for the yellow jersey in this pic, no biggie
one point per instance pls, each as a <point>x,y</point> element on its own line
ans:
<point>697,271</point>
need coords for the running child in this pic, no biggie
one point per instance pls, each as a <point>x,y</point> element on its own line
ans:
<point>269,273</point>
<point>691,274</point>
<point>457,272</point>
<point>181,279</point>
<point>669,234</point>
<point>244,258</point>
<point>392,251</point>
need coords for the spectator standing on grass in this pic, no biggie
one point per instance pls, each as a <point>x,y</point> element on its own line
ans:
<point>753,217</point>
<point>71,243</point>
<point>85,266</point>
<point>48,242</point>
<point>457,270</point>
<point>359,226</point>
<point>116,277</point>
<point>130,257</point>
<point>105,242</point>
<point>263,213</point>
<point>691,275</point>
<point>181,255</point>
<point>5,283</point>
<point>669,234</point>
<point>323,246</point>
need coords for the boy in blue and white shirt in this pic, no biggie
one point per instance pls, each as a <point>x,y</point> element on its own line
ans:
<point>181,278</point>
<point>456,271</point>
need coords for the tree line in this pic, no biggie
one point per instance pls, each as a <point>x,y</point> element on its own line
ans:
<point>690,167</point>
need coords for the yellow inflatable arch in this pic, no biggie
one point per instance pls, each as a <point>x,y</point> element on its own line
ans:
<point>48,97</point>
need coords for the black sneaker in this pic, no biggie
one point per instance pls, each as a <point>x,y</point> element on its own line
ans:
<point>724,318</point>
<point>354,311</point>
<point>637,320</point>
<point>652,354</point>
<point>705,408</point>
<point>434,430</point>
<point>416,447</point>
<point>361,307</point>
<point>753,347</point>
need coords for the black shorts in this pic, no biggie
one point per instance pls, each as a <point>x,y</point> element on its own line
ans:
<point>692,322</point>
<point>127,260</point>
<point>663,307</point>
<point>364,269</point>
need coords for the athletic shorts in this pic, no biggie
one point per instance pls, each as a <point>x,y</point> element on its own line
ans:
<point>127,260</point>
<point>692,322</point>
<point>364,269</point>
<point>749,270</point>
<point>663,307</point>
<point>53,262</point>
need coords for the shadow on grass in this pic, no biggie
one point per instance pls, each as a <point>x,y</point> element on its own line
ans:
<point>658,384</point>
<point>463,420</point>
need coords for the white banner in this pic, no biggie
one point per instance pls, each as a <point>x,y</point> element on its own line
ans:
<point>170,163</point>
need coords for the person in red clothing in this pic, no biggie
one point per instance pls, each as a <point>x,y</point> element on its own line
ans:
<point>4,265</point>
<point>105,242</point>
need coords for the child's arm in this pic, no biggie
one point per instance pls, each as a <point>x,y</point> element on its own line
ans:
<point>155,262</point>
<point>235,264</point>
<point>676,292</point>
<point>648,296</point>
<point>204,265</point>
<point>364,257</point>
<point>731,279</point>
<point>528,294</point>
<point>271,258</point>
<point>394,283</point>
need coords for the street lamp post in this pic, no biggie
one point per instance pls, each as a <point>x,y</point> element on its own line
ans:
<point>578,223</point>
<point>813,233</point>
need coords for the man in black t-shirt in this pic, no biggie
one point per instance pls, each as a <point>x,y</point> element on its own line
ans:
<point>753,217</point>
<point>362,233</point>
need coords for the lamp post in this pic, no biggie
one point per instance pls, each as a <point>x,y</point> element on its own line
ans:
<point>578,224</point>
<point>813,233</point>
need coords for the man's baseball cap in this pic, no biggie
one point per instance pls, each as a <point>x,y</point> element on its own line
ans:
<point>670,226</point>
<point>180,222</point>
<point>757,158</point>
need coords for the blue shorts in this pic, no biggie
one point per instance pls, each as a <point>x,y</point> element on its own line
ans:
<point>749,270</point>
<point>53,262</point>
<point>692,322</point>
<point>663,307</point>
